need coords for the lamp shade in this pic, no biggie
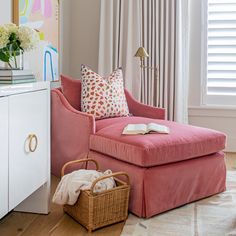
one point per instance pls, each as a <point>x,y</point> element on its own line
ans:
<point>141,52</point>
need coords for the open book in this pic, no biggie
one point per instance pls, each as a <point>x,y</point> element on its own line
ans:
<point>145,129</point>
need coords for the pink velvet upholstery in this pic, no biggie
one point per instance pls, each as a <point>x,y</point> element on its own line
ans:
<point>161,188</point>
<point>70,132</point>
<point>68,122</point>
<point>166,170</point>
<point>184,142</point>
<point>71,89</point>
<point>138,109</point>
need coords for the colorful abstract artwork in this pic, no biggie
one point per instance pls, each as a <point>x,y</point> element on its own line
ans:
<point>42,15</point>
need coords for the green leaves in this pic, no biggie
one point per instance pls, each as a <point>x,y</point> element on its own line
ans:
<point>5,57</point>
<point>12,37</point>
<point>12,49</point>
<point>14,43</point>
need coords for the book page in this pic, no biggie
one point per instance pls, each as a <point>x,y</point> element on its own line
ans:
<point>135,129</point>
<point>158,128</point>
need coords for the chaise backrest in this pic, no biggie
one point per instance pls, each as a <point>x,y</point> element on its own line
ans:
<point>71,89</point>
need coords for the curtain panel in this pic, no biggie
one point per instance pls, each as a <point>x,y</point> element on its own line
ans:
<point>119,39</point>
<point>161,26</point>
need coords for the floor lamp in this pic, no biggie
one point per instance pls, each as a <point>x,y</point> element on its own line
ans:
<point>142,54</point>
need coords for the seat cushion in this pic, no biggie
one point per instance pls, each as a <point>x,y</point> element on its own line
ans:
<point>184,142</point>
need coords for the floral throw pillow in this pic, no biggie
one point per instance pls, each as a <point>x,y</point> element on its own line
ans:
<point>103,97</point>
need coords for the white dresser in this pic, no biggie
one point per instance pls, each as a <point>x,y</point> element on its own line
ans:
<point>25,148</point>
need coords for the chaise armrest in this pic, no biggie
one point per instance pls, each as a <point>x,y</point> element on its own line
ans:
<point>139,109</point>
<point>71,130</point>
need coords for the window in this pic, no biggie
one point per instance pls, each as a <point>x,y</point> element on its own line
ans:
<point>219,52</point>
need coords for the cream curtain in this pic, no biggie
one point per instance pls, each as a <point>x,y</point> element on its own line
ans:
<point>165,36</point>
<point>182,62</point>
<point>119,39</point>
<point>161,26</point>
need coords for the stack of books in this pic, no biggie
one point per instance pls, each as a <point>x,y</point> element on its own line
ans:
<point>16,76</point>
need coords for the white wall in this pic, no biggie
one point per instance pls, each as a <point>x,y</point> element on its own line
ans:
<point>79,35</point>
<point>215,117</point>
<point>5,11</point>
<point>65,32</point>
<point>84,36</point>
<point>195,53</point>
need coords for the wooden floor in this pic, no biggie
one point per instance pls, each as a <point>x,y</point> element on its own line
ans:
<point>59,224</point>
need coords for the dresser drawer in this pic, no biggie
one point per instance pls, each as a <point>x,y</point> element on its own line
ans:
<point>28,144</point>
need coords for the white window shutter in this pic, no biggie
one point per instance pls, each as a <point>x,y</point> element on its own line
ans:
<point>221,46</point>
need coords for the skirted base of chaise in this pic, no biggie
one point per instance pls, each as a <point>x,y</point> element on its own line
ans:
<point>160,188</point>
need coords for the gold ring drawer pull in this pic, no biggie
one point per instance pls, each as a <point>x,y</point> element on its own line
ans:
<point>31,138</point>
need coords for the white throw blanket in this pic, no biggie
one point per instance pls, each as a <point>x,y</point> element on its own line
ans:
<point>68,189</point>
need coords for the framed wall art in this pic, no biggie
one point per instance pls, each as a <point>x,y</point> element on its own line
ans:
<point>43,16</point>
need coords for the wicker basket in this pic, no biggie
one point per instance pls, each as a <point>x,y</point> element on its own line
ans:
<point>95,210</point>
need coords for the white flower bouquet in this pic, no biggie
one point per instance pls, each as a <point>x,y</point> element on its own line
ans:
<point>14,40</point>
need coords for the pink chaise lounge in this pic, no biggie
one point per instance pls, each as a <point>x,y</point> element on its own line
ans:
<point>166,171</point>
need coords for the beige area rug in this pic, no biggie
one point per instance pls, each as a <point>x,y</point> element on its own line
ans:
<point>213,216</point>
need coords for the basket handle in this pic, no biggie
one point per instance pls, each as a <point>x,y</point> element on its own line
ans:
<point>76,162</point>
<point>109,176</point>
